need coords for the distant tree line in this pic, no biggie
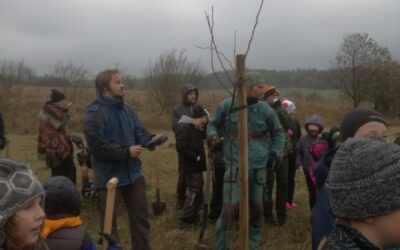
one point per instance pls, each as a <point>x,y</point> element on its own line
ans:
<point>298,78</point>
<point>363,70</point>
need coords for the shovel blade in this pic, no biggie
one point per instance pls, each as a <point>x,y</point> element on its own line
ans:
<point>158,207</point>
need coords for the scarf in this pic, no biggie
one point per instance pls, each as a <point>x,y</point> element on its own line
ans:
<point>53,225</point>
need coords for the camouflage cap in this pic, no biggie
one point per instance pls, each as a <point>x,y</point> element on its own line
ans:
<point>253,78</point>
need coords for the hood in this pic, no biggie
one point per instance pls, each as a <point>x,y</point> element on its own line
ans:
<point>315,120</point>
<point>185,89</point>
<point>185,119</point>
<point>62,197</point>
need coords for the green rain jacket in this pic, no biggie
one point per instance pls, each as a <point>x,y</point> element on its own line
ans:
<point>264,132</point>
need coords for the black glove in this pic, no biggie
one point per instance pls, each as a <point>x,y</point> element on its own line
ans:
<point>272,160</point>
<point>212,140</point>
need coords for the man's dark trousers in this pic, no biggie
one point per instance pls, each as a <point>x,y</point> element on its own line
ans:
<point>281,174</point>
<point>134,196</point>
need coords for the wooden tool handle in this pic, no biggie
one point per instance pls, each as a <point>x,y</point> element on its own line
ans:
<point>112,183</point>
<point>111,187</point>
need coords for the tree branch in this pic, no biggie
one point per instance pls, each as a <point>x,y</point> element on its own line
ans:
<point>254,28</point>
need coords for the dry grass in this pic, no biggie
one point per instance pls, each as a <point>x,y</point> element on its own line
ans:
<point>20,116</point>
<point>21,106</point>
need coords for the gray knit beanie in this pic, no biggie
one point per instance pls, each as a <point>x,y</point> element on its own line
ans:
<point>364,179</point>
<point>18,187</point>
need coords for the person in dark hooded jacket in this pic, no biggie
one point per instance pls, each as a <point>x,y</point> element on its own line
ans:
<point>308,149</point>
<point>189,95</point>
<point>63,227</point>
<point>190,146</point>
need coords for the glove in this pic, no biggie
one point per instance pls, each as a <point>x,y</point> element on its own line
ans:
<point>212,140</point>
<point>272,160</point>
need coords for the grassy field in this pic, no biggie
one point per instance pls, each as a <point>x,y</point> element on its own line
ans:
<point>21,106</point>
<point>296,234</point>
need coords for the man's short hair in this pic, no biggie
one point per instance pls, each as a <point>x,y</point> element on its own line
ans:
<point>103,80</point>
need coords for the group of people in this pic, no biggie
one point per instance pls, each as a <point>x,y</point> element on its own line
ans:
<point>273,133</point>
<point>352,172</point>
<point>276,149</point>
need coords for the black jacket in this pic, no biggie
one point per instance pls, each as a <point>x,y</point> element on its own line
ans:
<point>70,238</point>
<point>184,108</point>
<point>190,146</point>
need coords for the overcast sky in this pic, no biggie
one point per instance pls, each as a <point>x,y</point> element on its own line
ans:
<point>104,33</point>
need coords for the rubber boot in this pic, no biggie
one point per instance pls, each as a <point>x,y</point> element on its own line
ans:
<point>254,238</point>
<point>221,236</point>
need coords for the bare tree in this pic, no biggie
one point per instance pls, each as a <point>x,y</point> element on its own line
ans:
<point>11,72</point>
<point>167,75</point>
<point>384,88</point>
<point>358,59</point>
<point>70,77</point>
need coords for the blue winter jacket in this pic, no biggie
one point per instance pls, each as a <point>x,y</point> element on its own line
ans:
<point>110,128</point>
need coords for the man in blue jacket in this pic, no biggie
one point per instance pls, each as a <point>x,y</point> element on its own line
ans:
<point>115,137</point>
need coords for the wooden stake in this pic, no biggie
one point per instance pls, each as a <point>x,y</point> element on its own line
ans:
<point>111,187</point>
<point>243,154</point>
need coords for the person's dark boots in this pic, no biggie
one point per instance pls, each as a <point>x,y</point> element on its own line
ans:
<point>213,216</point>
<point>281,220</point>
<point>180,204</point>
<point>269,219</point>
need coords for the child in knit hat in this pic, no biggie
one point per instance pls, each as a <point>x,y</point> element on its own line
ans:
<point>63,227</point>
<point>21,207</point>
<point>364,188</point>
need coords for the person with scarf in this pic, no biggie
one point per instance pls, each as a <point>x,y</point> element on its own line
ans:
<point>54,138</point>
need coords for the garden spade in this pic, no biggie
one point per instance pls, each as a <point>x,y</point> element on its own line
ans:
<point>158,206</point>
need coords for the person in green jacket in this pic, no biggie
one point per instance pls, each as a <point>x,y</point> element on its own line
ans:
<point>280,169</point>
<point>265,143</point>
